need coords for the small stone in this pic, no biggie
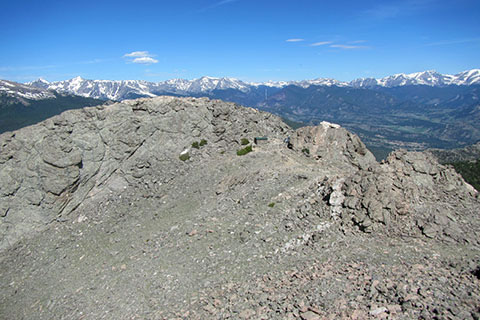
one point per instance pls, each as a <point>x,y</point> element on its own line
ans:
<point>394,308</point>
<point>377,311</point>
<point>192,233</point>
<point>430,231</point>
<point>309,315</point>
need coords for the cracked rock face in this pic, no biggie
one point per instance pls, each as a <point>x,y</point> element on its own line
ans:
<point>48,170</point>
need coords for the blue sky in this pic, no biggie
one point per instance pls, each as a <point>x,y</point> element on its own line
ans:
<point>252,40</point>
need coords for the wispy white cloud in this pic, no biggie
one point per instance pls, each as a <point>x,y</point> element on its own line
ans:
<point>137,54</point>
<point>356,44</point>
<point>140,57</point>
<point>295,40</point>
<point>451,42</point>
<point>145,60</point>
<point>347,46</point>
<point>218,4</point>
<point>221,3</point>
<point>357,41</point>
<point>321,43</point>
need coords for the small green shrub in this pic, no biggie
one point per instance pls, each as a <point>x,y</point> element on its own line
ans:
<point>244,141</point>
<point>203,142</point>
<point>306,151</point>
<point>195,145</point>
<point>244,151</point>
<point>271,204</point>
<point>184,157</point>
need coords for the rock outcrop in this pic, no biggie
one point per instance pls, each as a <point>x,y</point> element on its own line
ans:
<point>48,170</point>
<point>408,194</point>
<point>333,145</point>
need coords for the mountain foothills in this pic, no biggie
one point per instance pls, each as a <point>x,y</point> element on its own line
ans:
<point>169,208</point>
<point>414,111</point>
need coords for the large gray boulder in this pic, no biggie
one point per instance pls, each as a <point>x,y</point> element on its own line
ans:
<point>333,145</point>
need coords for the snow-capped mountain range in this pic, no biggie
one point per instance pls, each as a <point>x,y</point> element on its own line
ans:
<point>127,89</point>
<point>20,91</point>
<point>429,78</point>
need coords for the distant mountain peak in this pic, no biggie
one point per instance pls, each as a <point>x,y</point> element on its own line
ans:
<point>39,83</point>
<point>42,80</point>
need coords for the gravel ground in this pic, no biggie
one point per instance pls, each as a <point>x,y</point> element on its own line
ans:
<point>273,234</point>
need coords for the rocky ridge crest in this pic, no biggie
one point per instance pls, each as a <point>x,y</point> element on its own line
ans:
<point>49,169</point>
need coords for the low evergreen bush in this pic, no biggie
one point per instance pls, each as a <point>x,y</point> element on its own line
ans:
<point>184,157</point>
<point>244,151</point>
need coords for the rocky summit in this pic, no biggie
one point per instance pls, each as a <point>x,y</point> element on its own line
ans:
<point>190,208</point>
